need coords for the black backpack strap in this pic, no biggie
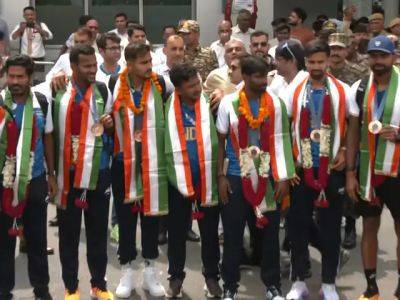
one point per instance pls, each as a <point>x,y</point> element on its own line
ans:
<point>361,90</point>
<point>44,105</point>
<point>112,82</point>
<point>164,95</point>
<point>103,91</point>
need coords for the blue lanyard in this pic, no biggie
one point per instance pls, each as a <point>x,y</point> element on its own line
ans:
<point>316,115</point>
<point>94,104</point>
<point>378,109</point>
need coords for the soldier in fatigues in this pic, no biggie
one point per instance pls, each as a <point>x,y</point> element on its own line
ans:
<point>339,67</point>
<point>349,73</point>
<point>203,59</point>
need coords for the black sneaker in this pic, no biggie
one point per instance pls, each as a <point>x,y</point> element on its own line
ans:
<point>162,238</point>
<point>274,294</point>
<point>349,241</point>
<point>45,296</point>
<point>174,289</point>
<point>212,288</point>
<point>53,222</point>
<point>192,236</point>
<point>6,296</point>
<point>229,295</point>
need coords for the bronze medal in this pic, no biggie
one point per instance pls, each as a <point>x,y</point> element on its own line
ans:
<point>315,135</point>
<point>138,136</point>
<point>97,129</point>
<point>375,127</point>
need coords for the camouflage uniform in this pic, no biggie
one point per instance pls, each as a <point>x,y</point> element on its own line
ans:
<point>361,60</point>
<point>349,74</point>
<point>203,59</point>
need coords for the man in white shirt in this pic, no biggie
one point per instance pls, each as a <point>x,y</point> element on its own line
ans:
<point>82,36</point>
<point>242,30</point>
<point>32,34</point>
<point>137,34</point>
<point>110,48</point>
<point>174,51</point>
<point>224,33</point>
<point>120,21</point>
<point>282,33</point>
<point>290,67</point>
<point>159,53</point>
<point>93,25</point>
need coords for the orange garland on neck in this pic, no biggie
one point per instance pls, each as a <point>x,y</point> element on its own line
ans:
<point>244,109</point>
<point>124,93</point>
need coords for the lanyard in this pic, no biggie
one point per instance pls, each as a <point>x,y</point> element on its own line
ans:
<point>378,109</point>
<point>316,114</point>
<point>93,111</point>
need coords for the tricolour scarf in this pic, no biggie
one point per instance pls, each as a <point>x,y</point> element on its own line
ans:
<point>151,183</point>
<point>281,159</point>
<point>178,165</point>
<point>90,147</point>
<point>383,160</point>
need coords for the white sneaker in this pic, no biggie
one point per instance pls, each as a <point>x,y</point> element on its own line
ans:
<point>151,282</point>
<point>125,286</point>
<point>298,291</point>
<point>328,292</point>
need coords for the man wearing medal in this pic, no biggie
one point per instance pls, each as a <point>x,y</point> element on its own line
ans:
<point>27,149</point>
<point>139,175</point>
<point>191,151</point>
<point>83,130</point>
<point>377,181</point>
<point>253,129</point>
<point>319,106</point>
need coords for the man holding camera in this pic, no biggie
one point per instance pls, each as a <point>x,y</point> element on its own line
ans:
<point>32,35</point>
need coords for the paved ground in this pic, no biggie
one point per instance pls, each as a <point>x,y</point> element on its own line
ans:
<point>350,283</point>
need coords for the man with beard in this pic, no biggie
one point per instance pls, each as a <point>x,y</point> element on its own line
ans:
<point>320,156</point>
<point>82,130</point>
<point>377,182</point>
<point>191,151</point>
<point>259,46</point>
<point>250,140</point>
<point>139,177</point>
<point>26,126</point>
<point>299,31</point>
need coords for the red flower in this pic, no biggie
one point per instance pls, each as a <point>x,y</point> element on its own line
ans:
<point>261,222</point>
<point>136,208</point>
<point>81,203</point>
<point>197,215</point>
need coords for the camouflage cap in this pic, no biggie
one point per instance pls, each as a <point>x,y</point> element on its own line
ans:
<point>338,39</point>
<point>329,25</point>
<point>189,26</point>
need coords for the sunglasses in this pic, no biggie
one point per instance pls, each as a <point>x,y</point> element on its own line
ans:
<point>286,46</point>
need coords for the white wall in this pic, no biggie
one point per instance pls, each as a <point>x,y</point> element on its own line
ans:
<point>11,11</point>
<point>209,13</point>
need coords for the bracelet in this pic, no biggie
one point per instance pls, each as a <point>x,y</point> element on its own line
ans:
<point>51,173</point>
<point>343,148</point>
<point>221,175</point>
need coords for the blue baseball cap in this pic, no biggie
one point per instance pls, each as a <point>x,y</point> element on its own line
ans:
<point>381,43</point>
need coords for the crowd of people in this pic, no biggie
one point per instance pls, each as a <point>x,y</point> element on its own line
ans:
<point>301,129</point>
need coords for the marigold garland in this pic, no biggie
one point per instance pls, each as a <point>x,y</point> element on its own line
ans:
<point>244,109</point>
<point>124,93</point>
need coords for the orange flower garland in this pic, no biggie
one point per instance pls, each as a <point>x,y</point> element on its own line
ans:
<point>244,109</point>
<point>124,94</point>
